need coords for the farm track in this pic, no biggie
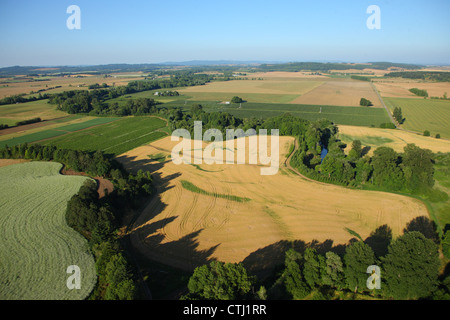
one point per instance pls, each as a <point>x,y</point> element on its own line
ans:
<point>382,103</point>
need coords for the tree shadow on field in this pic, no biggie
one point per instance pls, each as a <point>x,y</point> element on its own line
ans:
<point>264,261</point>
<point>182,253</point>
<point>425,226</point>
<point>132,164</point>
<point>149,239</point>
<point>379,240</point>
<point>365,150</point>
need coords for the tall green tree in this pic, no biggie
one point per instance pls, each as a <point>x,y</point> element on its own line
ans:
<point>334,271</point>
<point>356,150</point>
<point>219,281</point>
<point>313,267</point>
<point>119,279</point>
<point>398,115</point>
<point>293,277</point>
<point>411,267</point>
<point>418,168</point>
<point>386,170</point>
<point>358,256</point>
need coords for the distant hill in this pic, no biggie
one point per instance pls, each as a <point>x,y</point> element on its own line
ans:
<point>148,67</point>
<point>325,67</point>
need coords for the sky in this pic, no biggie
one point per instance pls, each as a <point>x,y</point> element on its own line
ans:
<point>35,33</point>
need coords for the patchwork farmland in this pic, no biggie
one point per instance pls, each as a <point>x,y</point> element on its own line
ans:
<point>198,213</point>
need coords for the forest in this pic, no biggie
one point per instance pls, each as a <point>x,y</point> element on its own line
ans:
<point>421,75</point>
<point>325,67</point>
<point>95,102</point>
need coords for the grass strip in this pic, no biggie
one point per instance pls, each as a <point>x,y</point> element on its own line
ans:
<point>193,188</point>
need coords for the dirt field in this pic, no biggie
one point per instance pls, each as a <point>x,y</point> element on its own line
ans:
<point>340,92</point>
<point>396,139</point>
<point>104,186</point>
<point>8,162</point>
<point>285,75</point>
<point>185,228</point>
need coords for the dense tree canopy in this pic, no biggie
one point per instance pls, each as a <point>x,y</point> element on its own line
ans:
<point>358,256</point>
<point>411,267</point>
<point>219,281</point>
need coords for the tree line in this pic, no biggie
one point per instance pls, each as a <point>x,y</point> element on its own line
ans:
<point>410,172</point>
<point>20,98</point>
<point>419,92</point>
<point>287,124</point>
<point>21,123</point>
<point>421,75</point>
<point>95,102</point>
<point>325,67</point>
<point>408,268</point>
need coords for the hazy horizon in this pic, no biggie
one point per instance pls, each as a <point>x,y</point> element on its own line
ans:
<point>143,32</point>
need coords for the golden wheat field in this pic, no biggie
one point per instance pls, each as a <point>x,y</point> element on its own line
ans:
<point>239,211</point>
<point>395,139</point>
<point>400,88</point>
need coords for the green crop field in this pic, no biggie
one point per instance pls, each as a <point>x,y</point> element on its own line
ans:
<point>51,133</point>
<point>423,114</point>
<point>116,137</point>
<point>357,116</point>
<point>36,244</point>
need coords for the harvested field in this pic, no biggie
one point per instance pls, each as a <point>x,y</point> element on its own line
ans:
<point>400,88</point>
<point>29,110</point>
<point>273,86</point>
<point>340,92</point>
<point>185,228</point>
<point>396,139</point>
<point>283,75</point>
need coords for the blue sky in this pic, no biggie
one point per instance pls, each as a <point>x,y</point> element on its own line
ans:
<point>135,31</point>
